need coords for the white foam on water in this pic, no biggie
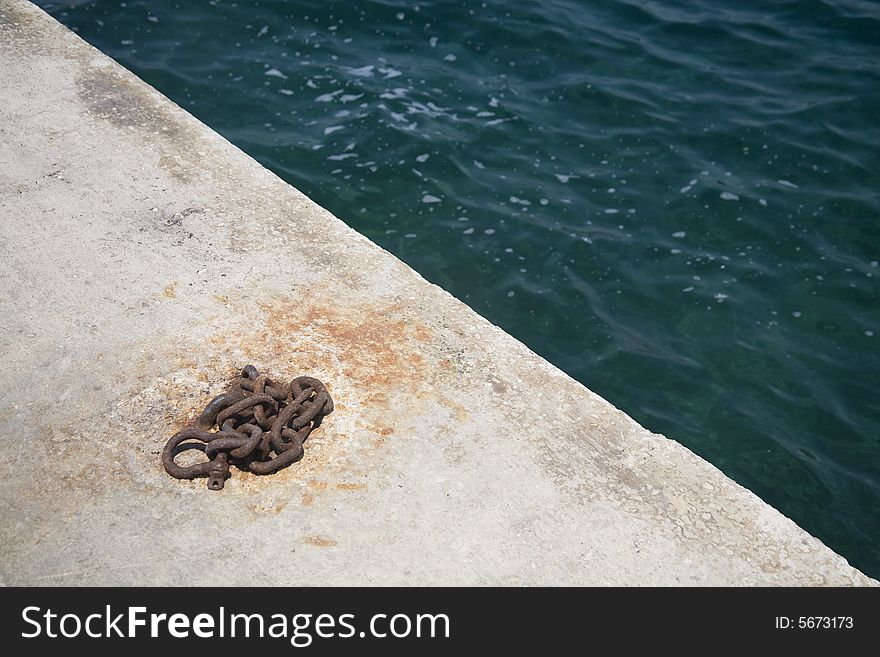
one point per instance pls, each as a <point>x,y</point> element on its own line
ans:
<point>788,183</point>
<point>489,231</point>
<point>332,129</point>
<point>433,41</point>
<point>450,57</point>
<point>342,156</point>
<point>286,92</point>
<point>348,98</point>
<point>565,177</point>
<point>729,196</point>
<point>388,72</point>
<point>263,30</point>
<point>430,198</point>
<point>326,98</point>
<point>679,234</point>
<point>430,105</point>
<point>685,189</point>
<point>362,72</point>
<point>394,94</point>
<point>479,165</point>
<point>762,202</point>
<point>275,73</point>
<point>423,157</point>
<point>468,231</point>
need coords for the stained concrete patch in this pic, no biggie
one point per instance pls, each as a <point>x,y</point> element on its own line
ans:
<point>118,97</point>
<point>146,260</point>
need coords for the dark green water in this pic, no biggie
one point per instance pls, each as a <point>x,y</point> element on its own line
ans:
<point>678,203</point>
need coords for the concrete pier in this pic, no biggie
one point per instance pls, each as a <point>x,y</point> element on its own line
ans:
<point>145,260</point>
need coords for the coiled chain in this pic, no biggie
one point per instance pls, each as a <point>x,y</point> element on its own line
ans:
<point>257,425</point>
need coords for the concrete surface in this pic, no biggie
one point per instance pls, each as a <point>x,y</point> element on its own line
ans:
<point>145,260</point>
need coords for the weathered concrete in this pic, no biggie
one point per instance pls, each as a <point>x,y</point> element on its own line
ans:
<point>145,259</point>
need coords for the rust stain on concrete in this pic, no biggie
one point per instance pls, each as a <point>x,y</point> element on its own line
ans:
<point>372,359</point>
<point>270,506</point>
<point>319,541</point>
<point>345,485</point>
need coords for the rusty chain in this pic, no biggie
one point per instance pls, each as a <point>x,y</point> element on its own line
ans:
<point>260,427</point>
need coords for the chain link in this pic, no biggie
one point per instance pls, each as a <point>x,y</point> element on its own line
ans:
<point>257,425</point>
